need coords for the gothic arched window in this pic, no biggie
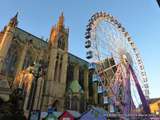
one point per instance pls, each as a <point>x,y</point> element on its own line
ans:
<point>61,43</point>
<point>28,60</point>
<point>75,102</point>
<point>81,77</point>
<point>10,60</point>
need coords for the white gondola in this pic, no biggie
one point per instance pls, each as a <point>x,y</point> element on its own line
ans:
<point>87,44</point>
<point>95,78</point>
<point>89,55</point>
<point>101,89</point>
<point>92,66</point>
<point>105,100</point>
<point>87,35</point>
<point>88,29</point>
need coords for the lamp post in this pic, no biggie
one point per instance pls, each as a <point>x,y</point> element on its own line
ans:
<point>36,73</point>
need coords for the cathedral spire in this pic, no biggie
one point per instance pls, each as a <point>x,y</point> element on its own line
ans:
<point>61,22</point>
<point>14,21</point>
<point>53,36</point>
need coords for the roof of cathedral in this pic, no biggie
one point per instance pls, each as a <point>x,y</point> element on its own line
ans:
<point>42,40</point>
<point>153,100</point>
<point>72,58</point>
<point>78,59</point>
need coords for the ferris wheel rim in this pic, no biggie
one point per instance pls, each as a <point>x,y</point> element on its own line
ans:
<point>94,20</point>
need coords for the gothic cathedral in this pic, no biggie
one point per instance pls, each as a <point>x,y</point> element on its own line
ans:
<point>63,78</point>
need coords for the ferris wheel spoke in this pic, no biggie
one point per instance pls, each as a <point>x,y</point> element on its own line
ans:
<point>116,36</point>
<point>111,38</point>
<point>110,48</point>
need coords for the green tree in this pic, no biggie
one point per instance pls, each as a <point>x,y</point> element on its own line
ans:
<point>11,110</point>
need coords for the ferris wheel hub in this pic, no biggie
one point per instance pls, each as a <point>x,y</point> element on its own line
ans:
<point>124,59</point>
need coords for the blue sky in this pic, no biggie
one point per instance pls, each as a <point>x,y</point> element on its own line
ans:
<point>141,18</point>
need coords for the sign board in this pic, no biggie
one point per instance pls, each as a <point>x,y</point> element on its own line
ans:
<point>66,118</point>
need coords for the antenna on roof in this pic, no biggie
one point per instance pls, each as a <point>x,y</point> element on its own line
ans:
<point>158,1</point>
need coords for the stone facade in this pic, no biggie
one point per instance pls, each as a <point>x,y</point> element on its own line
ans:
<point>20,49</point>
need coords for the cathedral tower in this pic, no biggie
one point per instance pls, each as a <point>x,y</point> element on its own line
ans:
<point>57,67</point>
<point>7,39</point>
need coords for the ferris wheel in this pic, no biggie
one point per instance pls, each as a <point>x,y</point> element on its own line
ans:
<point>117,61</point>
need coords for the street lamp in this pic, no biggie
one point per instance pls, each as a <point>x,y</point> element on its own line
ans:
<point>36,73</point>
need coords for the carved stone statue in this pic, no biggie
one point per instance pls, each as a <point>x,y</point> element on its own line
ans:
<point>24,79</point>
